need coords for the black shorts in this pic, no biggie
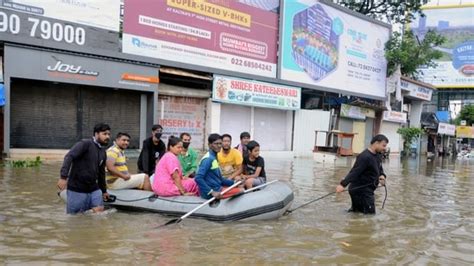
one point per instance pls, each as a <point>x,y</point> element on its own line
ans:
<point>363,201</point>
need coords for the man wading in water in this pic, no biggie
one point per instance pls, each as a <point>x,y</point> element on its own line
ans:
<point>364,177</point>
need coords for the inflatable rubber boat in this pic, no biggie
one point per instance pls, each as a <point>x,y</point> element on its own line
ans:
<point>270,202</point>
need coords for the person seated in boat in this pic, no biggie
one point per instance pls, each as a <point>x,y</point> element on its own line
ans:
<point>168,180</point>
<point>230,159</point>
<point>244,140</point>
<point>209,177</point>
<point>152,150</point>
<point>254,166</point>
<point>188,157</point>
<point>118,176</point>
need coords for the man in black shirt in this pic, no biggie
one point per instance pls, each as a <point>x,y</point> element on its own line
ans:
<point>83,172</point>
<point>364,177</point>
<point>152,151</point>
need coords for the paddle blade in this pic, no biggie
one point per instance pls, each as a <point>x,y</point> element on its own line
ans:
<point>173,221</point>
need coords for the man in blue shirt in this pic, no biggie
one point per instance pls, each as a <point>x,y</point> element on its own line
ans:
<point>208,176</point>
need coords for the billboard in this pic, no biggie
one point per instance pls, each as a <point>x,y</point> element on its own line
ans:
<point>255,93</point>
<point>80,25</point>
<point>331,49</point>
<point>455,69</point>
<point>102,14</point>
<point>238,36</point>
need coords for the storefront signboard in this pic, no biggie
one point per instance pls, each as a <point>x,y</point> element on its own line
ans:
<point>393,116</point>
<point>354,112</point>
<point>464,132</point>
<point>67,68</point>
<point>446,129</point>
<point>255,93</point>
<point>416,91</point>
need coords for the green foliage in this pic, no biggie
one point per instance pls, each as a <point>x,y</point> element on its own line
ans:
<point>410,53</point>
<point>467,113</point>
<point>25,163</point>
<point>409,134</point>
<point>385,10</point>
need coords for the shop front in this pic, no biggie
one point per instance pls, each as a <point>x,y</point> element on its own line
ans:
<point>357,120</point>
<point>265,110</point>
<point>392,121</point>
<point>445,132</point>
<point>58,98</point>
<point>178,113</point>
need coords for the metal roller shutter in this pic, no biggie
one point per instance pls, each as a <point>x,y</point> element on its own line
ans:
<point>43,114</point>
<point>234,120</point>
<point>118,108</point>
<point>55,116</point>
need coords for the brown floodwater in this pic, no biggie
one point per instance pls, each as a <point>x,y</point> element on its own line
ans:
<point>428,219</point>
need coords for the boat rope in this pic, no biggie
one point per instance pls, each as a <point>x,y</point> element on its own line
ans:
<point>386,193</point>
<point>320,198</point>
<point>113,198</point>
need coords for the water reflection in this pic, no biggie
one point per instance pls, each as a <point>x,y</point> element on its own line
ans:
<point>428,219</point>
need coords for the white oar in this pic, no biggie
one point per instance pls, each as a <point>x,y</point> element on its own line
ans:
<point>178,220</point>
<point>254,188</point>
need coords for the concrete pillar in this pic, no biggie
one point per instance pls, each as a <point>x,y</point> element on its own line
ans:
<point>143,118</point>
<point>213,118</point>
<point>415,113</point>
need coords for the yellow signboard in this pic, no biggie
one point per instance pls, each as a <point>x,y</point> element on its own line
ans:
<point>465,132</point>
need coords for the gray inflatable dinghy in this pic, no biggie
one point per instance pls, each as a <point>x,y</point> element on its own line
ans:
<point>270,202</point>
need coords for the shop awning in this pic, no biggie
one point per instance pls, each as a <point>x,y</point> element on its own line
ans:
<point>184,73</point>
<point>429,121</point>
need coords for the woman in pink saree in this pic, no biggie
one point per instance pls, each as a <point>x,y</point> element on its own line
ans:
<point>168,180</point>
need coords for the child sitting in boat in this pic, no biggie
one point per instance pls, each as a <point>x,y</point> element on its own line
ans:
<point>168,180</point>
<point>254,166</point>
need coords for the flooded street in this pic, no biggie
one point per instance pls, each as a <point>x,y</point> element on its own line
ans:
<point>428,219</point>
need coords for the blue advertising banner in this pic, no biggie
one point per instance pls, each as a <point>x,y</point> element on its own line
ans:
<point>455,69</point>
<point>326,47</point>
<point>2,95</point>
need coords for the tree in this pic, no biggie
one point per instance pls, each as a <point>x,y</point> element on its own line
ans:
<point>409,52</point>
<point>386,10</point>
<point>467,113</point>
<point>409,134</point>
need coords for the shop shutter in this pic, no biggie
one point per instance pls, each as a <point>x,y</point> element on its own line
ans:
<point>272,129</point>
<point>118,108</point>
<point>43,114</point>
<point>345,125</point>
<point>235,119</point>
<point>369,131</point>
<point>389,129</point>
